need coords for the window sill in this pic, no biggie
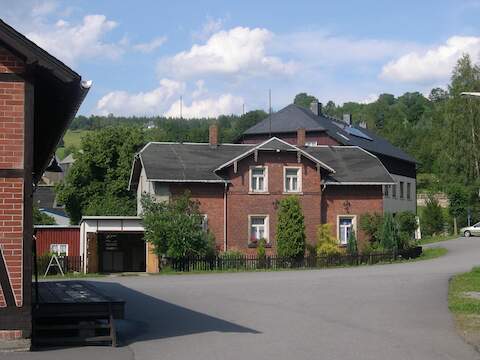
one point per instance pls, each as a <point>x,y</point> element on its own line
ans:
<point>292,193</point>
<point>258,193</point>
<point>255,245</point>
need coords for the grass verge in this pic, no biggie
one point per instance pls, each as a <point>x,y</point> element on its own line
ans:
<point>431,253</point>
<point>464,303</point>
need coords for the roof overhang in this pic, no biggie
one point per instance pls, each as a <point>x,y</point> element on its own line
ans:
<point>53,90</point>
<point>292,148</point>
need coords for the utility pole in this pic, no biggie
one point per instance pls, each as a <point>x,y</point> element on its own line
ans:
<point>270,111</point>
<point>181,102</point>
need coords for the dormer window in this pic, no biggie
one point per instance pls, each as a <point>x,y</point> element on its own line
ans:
<point>258,179</point>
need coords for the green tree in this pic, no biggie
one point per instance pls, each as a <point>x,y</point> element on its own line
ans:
<point>40,218</point>
<point>432,217</point>
<point>407,224</point>
<point>290,228</point>
<point>97,183</point>
<point>174,228</point>
<point>352,248</point>
<point>304,100</point>
<point>458,203</point>
<point>390,238</point>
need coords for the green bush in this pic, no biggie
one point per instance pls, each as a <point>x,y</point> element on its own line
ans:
<point>232,254</point>
<point>407,224</point>
<point>261,253</point>
<point>290,228</point>
<point>432,217</point>
<point>352,248</point>
<point>175,228</point>
<point>372,248</point>
<point>327,245</point>
<point>371,225</point>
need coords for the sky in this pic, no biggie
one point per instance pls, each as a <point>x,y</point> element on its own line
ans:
<point>221,57</point>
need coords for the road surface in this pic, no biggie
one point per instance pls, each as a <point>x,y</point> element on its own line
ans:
<point>389,312</point>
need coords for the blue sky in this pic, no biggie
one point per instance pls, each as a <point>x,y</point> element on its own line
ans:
<point>218,55</point>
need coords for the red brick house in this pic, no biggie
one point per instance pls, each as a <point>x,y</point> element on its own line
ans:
<point>39,96</point>
<point>238,186</point>
<point>321,129</point>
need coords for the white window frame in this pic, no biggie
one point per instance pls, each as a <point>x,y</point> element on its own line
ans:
<point>354,226</point>
<point>266,224</point>
<point>311,143</point>
<point>57,252</point>
<point>299,179</point>
<point>204,222</point>
<point>265,180</point>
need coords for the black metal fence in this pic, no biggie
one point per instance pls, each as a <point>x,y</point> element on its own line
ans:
<point>253,262</point>
<point>69,264</point>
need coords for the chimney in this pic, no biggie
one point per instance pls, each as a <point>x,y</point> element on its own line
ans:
<point>316,107</point>
<point>347,119</point>
<point>363,124</point>
<point>213,135</point>
<point>301,137</point>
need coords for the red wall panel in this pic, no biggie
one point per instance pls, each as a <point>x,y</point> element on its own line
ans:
<point>58,235</point>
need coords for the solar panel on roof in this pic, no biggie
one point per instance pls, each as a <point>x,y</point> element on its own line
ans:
<point>358,133</point>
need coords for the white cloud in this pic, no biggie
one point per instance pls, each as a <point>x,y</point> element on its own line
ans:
<point>210,27</point>
<point>44,8</point>
<point>143,103</point>
<point>370,98</point>
<point>73,42</point>
<point>200,89</point>
<point>210,107</point>
<point>320,48</point>
<point>239,51</point>
<point>151,45</point>
<point>432,65</point>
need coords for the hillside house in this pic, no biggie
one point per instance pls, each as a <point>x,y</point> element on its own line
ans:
<point>321,129</point>
<point>238,186</point>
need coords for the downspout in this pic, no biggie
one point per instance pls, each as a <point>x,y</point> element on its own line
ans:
<point>225,217</point>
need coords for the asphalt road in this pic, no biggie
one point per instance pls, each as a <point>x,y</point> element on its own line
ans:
<point>373,312</point>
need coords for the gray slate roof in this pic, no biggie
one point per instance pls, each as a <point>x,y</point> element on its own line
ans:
<point>187,162</point>
<point>351,164</point>
<point>293,117</point>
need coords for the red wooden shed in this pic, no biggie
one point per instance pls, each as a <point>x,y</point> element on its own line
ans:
<point>63,240</point>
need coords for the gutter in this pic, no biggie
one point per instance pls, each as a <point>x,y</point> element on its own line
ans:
<point>225,217</point>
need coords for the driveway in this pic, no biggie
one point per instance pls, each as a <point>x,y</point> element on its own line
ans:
<point>372,312</point>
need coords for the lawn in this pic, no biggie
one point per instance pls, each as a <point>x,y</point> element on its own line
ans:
<point>71,138</point>
<point>464,303</point>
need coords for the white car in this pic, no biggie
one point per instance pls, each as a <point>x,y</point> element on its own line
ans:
<point>473,230</point>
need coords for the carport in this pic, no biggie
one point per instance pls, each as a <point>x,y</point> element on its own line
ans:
<point>115,244</point>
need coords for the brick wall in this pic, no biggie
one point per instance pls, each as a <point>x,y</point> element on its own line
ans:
<point>12,188</point>
<point>210,197</point>
<point>241,203</point>
<point>351,200</point>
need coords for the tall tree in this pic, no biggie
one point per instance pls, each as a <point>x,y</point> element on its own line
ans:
<point>98,180</point>
<point>290,228</point>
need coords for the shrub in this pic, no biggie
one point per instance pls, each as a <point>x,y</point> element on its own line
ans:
<point>175,228</point>
<point>310,249</point>
<point>261,254</point>
<point>327,245</point>
<point>372,248</point>
<point>432,217</point>
<point>290,228</point>
<point>231,254</point>
<point>371,225</point>
<point>407,224</point>
<point>389,240</point>
<point>352,248</point>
